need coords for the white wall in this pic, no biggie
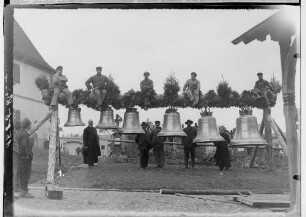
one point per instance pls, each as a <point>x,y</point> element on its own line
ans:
<point>31,107</point>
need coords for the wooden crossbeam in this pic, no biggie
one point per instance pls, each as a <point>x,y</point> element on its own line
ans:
<point>39,123</point>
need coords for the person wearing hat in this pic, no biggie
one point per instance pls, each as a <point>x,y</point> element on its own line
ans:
<point>25,157</point>
<point>98,84</point>
<point>262,87</point>
<point>59,85</point>
<point>158,145</point>
<point>144,146</point>
<point>222,154</point>
<point>189,146</point>
<point>192,89</point>
<point>91,147</point>
<point>146,88</point>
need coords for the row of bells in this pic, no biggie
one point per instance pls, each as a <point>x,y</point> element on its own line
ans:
<point>246,134</point>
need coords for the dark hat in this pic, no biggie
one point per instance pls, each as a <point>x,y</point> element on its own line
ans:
<point>99,67</point>
<point>146,73</point>
<point>259,73</point>
<point>59,67</point>
<point>193,73</point>
<point>189,121</point>
<point>157,122</point>
<point>144,124</point>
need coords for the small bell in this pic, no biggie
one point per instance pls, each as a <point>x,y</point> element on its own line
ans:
<point>247,133</point>
<point>107,120</point>
<point>131,123</point>
<point>172,126</point>
<point>207,130</point>
<point>74,118</point>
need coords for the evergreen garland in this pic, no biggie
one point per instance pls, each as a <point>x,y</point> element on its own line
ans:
<point>225,97</point>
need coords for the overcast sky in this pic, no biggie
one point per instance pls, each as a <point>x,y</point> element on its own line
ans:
<point>128,42</point>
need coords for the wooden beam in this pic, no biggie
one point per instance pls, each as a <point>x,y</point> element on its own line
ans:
<point>278,135</point>
<point>262,126</point>
<point>39,123</point>
<point>281,132</point>
<point>268,137</point>
<point>52,147</point>
<point>288,63</point>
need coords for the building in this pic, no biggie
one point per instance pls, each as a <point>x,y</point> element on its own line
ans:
<point>28,65</point>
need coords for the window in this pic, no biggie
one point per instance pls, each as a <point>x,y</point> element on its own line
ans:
<point>16,73</point>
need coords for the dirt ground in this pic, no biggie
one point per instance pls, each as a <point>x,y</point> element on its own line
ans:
<point>129,176</point>
<point>110,203</point>
<point>102,190</point>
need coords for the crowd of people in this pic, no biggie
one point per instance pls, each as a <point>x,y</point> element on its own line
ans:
<point>150,140</point>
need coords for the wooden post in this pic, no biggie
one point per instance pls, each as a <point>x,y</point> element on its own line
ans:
<point>52,147</point>
<point>262,126</point>
<point>288,63</point>
<point>268,137</point>
<point>39,123</point>
<point>278,135</point>
<point>59,147</point>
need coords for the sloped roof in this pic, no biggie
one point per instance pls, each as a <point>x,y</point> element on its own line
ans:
<point>24,50</point>
<point>278,26</point>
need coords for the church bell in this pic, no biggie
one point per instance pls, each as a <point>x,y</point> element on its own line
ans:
<point>247,133</point>
<point>172,126</point>
<point>74,118</point>
<point>207,130</point>
<point>107,120</point>
<point>131,123</point>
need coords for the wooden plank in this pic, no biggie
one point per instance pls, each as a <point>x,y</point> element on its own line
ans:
<point>278,135</point>
<point>265,201</point>
<point>39,123</point>
<point>205,192</point>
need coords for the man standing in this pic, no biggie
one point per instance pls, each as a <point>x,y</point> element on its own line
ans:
<point>189,146</point>
<point>98,83</point>
<point>59,85</point>
<point>16,164</point>
<point>25,157</point>
<point>262,87</point>
<point>146,87</point>
<point>158,146</point>
<point>192,88</point>
<point>91,144</point>
<point>144,145</point>
<point>222,155</point>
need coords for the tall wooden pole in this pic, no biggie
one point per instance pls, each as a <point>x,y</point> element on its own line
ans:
<point>52,147</point>
<point>268,137</point>
<point>288,63</point>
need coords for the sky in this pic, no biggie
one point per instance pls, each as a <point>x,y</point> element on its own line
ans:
<point>128,42</point>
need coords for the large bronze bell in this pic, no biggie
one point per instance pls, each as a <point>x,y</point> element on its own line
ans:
<point>172,125</point>
<point>207,130</point>
<point>131,123</point>
<point>107,120</point>
<point>74,118</point>
<point>247,133</point>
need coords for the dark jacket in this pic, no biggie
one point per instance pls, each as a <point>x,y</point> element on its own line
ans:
<point>222,153</point>
<point>97,81</point>
<point>144,141</point>
<point>91,141</point>
<point>191,135</point>
<point>157,141</point>
<point>25,147</point>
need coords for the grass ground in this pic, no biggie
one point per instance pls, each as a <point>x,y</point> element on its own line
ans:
<point>127,176</point>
